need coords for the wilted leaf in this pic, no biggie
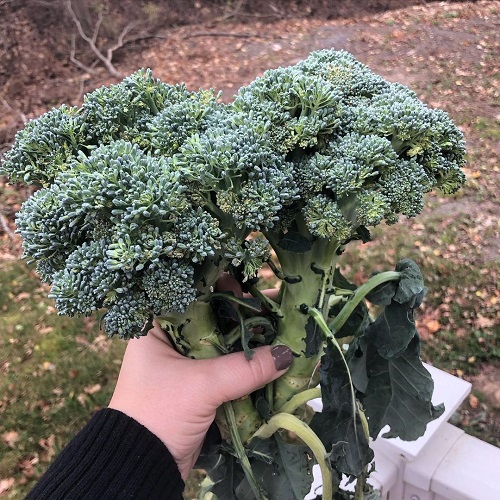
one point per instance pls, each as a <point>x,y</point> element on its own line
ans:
<point>283,472</point>
<point>339,425</point>
<point>21,296</point>
<point>484,322</point>
<point>47,366</point>
<point>473,401</point>
<point>48,445</point>
<point>433,325</point>
<point>399,391</point>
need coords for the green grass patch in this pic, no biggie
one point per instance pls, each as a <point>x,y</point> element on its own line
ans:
<point>55,372</point>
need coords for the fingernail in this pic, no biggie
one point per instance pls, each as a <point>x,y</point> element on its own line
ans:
<point>282,356</point>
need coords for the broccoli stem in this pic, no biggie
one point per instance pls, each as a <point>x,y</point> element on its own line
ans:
<point>306,434</point>
<point>194,334</point>
<point>246,416</point>
<point>359,295</point>
<point>315,268</point>
<point>300,399</point>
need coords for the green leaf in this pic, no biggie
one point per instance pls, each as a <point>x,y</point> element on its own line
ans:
<point>340,281</point>
<point>357,319</point>
<point>411,283</point>
<point>393,330</point>
<point>383,294</point>
<point>339,425</point>
<point>399,391</point>
<point>284,470</point>
<point>295,243</point>
<point>224,474</point>
<point>408,288</point>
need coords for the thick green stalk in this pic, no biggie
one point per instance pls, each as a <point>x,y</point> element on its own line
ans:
<point>195,335</point>
<point>308,437</point>
<point>300,399</point>
<point>312,273</point>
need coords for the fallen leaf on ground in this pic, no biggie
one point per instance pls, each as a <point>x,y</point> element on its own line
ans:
<point>10,438</point>
<point>6,484</point>
<point>92,389</point>
<point>473,401</point>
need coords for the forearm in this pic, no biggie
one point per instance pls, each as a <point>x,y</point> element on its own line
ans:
<point>113,457</point>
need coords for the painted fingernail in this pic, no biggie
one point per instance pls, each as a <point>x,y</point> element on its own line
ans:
<point>282,356</point>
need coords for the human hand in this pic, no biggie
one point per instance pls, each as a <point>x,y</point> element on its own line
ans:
<point>176,397</point>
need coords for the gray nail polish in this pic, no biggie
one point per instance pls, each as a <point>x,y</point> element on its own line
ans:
<point>282,356</point>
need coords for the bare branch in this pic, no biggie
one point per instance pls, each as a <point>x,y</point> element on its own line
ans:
<point>120,41</point>
<point>78,98</point>
<point>76,62</point>
<point>97,27</point>
<point>234,12</point>
<point>92,41</point>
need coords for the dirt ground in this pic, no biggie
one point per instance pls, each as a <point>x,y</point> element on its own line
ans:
<point>435,48</point>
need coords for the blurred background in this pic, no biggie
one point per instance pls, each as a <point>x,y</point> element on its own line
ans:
<point>56,371</point>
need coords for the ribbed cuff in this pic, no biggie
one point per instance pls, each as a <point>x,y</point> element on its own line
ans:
<point>112,457</point>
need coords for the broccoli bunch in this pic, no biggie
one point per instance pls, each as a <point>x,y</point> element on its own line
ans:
<point>363,150</point>
<point>150,192</point>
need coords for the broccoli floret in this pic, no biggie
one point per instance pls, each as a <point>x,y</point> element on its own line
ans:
<point>45,146</point>
<point>325,219</point>
<point>125,110</point>
<point>82,286</point>
<point>300,111</point>
<point>177,122</point>
<point>249,255</point>
<point>129,316</point>
<point>46,228</point>
<point>233,160</point>
<point>349,77</point>
<point>120,183</point>
<point>169,286</point>
<point>357,161</point>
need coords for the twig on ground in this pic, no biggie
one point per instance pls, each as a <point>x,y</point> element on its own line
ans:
<point>220,33</point>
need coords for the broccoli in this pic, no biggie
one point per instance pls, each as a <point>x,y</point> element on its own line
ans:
<point>150,192</point>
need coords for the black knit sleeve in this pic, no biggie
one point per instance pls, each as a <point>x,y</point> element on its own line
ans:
<point>112,457</point>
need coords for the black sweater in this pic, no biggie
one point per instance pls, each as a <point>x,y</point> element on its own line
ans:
<point>112,457</point>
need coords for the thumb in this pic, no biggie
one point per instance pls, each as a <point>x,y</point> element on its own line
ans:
<point>233,376</point>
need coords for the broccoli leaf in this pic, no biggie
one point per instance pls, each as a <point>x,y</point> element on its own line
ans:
<point>283,469</point>
<point>409,287</point>
<point>393,330</point>
<point>338,428</point>
<point>398,392</point>
<point>411,283</point>
<point>358,317</point>
<point>382,295</point>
